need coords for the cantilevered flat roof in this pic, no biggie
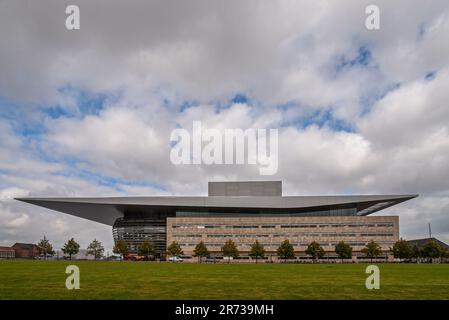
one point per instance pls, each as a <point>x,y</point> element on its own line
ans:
<point>106,210</point>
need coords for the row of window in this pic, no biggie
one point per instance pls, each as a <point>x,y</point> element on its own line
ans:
<point>275,246</point>
<point>188,235</point>
<point>321,213</point>
<point>302,225</point>
<point>7,254</point>
<point>339,225</point>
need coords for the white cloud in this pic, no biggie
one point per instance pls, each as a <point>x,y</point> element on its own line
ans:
<point>292,59</point>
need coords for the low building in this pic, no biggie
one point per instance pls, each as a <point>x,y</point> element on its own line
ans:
<point>420,243</point>
<point>7,253</point>
<point>26,250</point>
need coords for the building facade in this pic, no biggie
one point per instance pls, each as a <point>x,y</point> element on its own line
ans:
<point>26,250</point>
<point>242,211</point>
<point>7,253</point>
<point>271,231</point>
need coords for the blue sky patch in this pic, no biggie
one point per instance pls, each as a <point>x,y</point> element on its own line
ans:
<point>324,118</point>
<point>87,103</point>
<point>363,58</point>
<point>240,98</point>
<point>430,76</point>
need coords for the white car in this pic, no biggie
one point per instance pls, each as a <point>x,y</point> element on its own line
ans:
<point>175,259</point>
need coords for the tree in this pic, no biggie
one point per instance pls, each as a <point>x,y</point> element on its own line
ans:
<point>432,250</point>
<point>145,249</point>
<point>315,250</point>
<point>71,247</point>
<point>343,250</point>
<point>200,251</point>
<point>372,250</point>
<point>257,250</point>
<point>402,250</point>
<point>286,251</point>
<point>120,248</point>
<point>445,254</point>
<point>45,248</point>
<point>230,250</point>
<point>174,249</point>
<point>416,252</point>
<point>95,249</point>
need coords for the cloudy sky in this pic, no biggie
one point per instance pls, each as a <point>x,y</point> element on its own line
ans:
<point>89,112</point>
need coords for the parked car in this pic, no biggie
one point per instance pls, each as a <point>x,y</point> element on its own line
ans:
<point>175,259</point>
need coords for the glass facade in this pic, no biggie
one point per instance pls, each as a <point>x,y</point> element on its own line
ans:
<point>136,231</point>
<point>332,212</point>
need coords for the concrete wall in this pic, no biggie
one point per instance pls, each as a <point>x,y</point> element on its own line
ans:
<point>354,230</point>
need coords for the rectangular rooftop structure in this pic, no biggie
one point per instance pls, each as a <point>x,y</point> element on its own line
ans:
<point>245,188</point>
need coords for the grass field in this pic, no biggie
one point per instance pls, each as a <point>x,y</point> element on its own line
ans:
<point>20,279</point>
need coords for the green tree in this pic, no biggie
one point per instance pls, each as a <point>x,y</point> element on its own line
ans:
<point>145,249</point>
<point>174,249</point>
<point>95,249</point>
<point>286,251</point>
<point>257,250</point>
<point>432,250</point>
<point>229,250</point>
<point>71,247</point>
<point>372,250</point>
<point>445,255</point>
<point>315,250</point>
<point>343,250</point>
<point>416,252</point>
<point>45,248</point>
<point>121,248</point>
<point>200,251</point>
<point>402,250</point>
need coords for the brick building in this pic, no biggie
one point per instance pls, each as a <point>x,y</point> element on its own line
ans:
<point>26,250</point>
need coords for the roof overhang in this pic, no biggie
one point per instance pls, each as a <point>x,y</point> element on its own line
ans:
<point>107,210</point>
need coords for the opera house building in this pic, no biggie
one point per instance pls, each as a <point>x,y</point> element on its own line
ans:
<point>244,212</point>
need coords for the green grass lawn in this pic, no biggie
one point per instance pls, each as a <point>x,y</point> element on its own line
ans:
<point>20,279</point>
